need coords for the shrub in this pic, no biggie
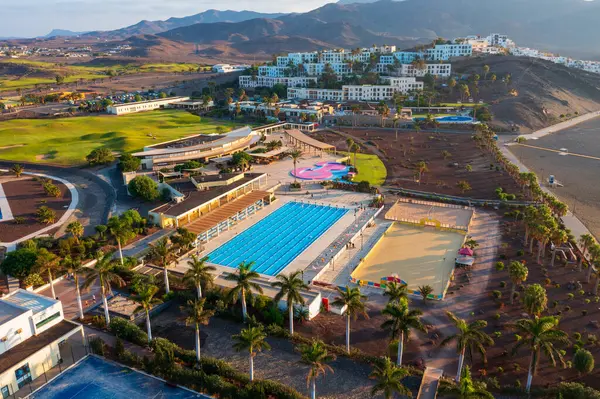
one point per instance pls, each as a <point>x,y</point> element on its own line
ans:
<point>144,188</point>
<point>496,294</point>
<point>554,304</point>
<point>587,301</point>
<point>499,266</point>
<point>100,156</point>
<point>567,309</point>
<point>500,370</point>
<point>97,346</point>
<point>516,366</point>
<point>497,316</point>
<point>119,347</point>
<point>576,336</point>
<point>502,284</point>
<point>98,321</point>
<point>547,281</point>
<point>33,280</point>
<point>19,220</point>
<point>570,296</point>
<point>581,292</point>
<point>583,361</point>
<point>556,285</point>
<point>575,390</point>
<point>497,334</point>
<point>128,331</point>
<point>520,252</point>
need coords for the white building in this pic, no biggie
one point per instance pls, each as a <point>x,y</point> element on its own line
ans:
<point>478,44</point>
<point>227,68</point>
<point>497,39</point>
<point>246,81</point>
<point>141,106</point>
<point>287,108</point>
<point>32,327</point>
<point>443,52</point>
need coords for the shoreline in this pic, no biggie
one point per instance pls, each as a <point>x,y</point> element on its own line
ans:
<point>561,126</point>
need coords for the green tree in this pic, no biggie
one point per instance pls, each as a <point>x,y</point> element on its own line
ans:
<point>75,229</point>
<point>295,155</point>
<point>396,292</point>
<point>425,291</point>
<point>199,273</point>
<point>121,231</point>
<point>400,322</point>
<point>467,388</point>
<point>535,299</point>
<point>103,272</point>
<point>315,356</point>
<point>17,169</point>
<point>144,187</point>
<point>463,186</point>
<point>421,168</point>
<point>452,84</point>
<point>486,70</point>
<point>100,156</point>
<point>75,267</point>
<point>101,230</point>
<point>162,254</point>
<point>540,334</point>
<point>518,272</point>
<point>129,163</point>
<point>469,336</point>
<point>197,315</point>
<point>583,361</point>
<point>244,285</point>
<point>47,262</point>
<point>585,241</point>
<point>146,300</point>
<point>354,302</point>
<point>388,379</point>
<point>251,339</point>
<point>45,215</point>
<point>289,288</point>
<point>19,263</point>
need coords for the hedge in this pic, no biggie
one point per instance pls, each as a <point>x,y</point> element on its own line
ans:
<point>128,331</point>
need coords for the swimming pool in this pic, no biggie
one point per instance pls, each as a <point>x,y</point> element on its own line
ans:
<point>322,171</point>
<point>451,119</point>
<point>275,241</point>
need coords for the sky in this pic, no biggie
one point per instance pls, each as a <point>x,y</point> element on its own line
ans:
<point>30,18</point>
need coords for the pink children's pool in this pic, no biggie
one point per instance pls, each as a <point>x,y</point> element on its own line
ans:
<point>322,171</point>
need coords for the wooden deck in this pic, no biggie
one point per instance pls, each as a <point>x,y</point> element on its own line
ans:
<point>224,212</point>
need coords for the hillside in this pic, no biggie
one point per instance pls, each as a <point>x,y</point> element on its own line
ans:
<point>544,91</point>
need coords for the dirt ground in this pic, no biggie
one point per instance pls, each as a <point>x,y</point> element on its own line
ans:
<point>400,158</point>
<point>25,196</point>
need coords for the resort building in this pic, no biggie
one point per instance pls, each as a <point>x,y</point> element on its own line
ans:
<point>226,68</point>
<point>32,329</point>
<point>292,111</point>
<point>443,52</point>
<point>141,106</point>
<point>247,82</point>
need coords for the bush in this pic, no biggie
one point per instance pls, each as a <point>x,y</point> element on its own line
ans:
<point>33,280</point>
<point>143,187</point>
<point>520,252</point>
<point>496,294</point>
<point>570,296</point>
<point>129,163</point>
<point>502,284</point>
<point>499,266</point>
<point>100,156</point>
<point>98,322</point>
<point>575,390</point>
<point>97,346</point>
<point>19,263</point>
<point>128,331</point>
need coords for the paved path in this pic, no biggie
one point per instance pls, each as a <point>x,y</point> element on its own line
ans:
<point>67,294</point>
<point>561,126</point>
<point>429,386</point>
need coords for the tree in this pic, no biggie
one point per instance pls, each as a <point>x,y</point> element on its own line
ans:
<point>535,299</point>
<point>244,285</point>
<point>396,292</point>
<point>103,272</point>
<point>559,237</point>
<point>388,379</point>
<point>199,273</point>
<point>517,271</point>
<point>75,229</point>
<point>47,262</point>
<point>289,288</point>
<point>354,301</point>
<point>75,267</point>
<point>493,77</point>
<point>251,339</point>
<point>586,241</point>
<point>316,357</point>
<point>467,388</point>
<point>161,253</point>
<point>19,263</point>
<point>46,215</point>
<point>184,238</point>
<point>100,156</point>
<point>350,144</point>
<point>129,163</point>
<point>401,321</point>
<point>583,361</point>
<point>121,231</point>
<point>463,186</point>
<point>486,70</point>
<point>425,291</point>
<point>59,79</point>
<point>421,168</point>
<point>295,155</point>
<point>540,334</point>
<point>469,336</point>
<point>146,301</point>
<point>464,91</point>
<point>143,187</point>
<point>452,84</point>
<point>197,315</point>
<point>17,169</point>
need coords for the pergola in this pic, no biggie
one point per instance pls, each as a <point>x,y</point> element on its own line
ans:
<point>306,143</point>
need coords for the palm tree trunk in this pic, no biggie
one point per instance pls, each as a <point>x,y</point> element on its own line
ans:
<point>79,298</point>
<point>251,367</point>
<point>589,273</point>
<point>148,327</point>
<point>596,285</point>
<point>553,257</point>
<point>539,254</point>
<point>531,246</point>
<point>400,349</point>
<point>581,261</point>
<point>531,371</point>
<point>244,309</point>
<point>291,316</point>
<point>199,291</point>
<point>166,278</point>
<point>197,344</point>
<point>348,333</point>
<point>51,284</point>
<point>120,251</point>
<point>512,293</point>
<point>313,389</point>
<point>461,359</point>
<point>105,303</point>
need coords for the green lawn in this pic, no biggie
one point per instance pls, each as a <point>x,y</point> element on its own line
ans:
<point>370,168</point>
<point>67,141</point>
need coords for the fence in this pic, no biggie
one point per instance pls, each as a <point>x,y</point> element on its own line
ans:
<point>430,203</point>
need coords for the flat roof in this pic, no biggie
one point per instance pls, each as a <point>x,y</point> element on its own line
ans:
<point>25,349</point>
<point>9,311</point>
<point>151,101</point>
<point>30,300</point>
<point>298,135</point>
<point>198,198</point>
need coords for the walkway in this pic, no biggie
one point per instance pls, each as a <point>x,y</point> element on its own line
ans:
<point>561,126</point>
<point>430,383</point>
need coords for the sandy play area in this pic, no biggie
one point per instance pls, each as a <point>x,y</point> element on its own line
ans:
<point>417,255</point>
<point>452,216</point>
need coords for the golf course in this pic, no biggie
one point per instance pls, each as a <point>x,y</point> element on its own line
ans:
<point>66,141</point>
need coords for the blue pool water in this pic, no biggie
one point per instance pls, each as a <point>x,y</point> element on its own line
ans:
<point>451,119</point>
<point>275,241</point>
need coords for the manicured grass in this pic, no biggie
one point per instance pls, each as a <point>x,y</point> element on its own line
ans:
<point>67,141</point>
<point>459,105</point>
<point>370,168</point>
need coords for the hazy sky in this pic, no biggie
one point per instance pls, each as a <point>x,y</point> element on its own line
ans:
<point>28,18</point>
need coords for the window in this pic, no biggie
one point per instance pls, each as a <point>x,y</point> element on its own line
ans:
<point>5,392</point>
<point>47,320</point>
<point>23,375</point>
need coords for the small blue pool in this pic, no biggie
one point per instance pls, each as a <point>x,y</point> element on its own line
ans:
<point>275,241</point>
<point>451,119</point>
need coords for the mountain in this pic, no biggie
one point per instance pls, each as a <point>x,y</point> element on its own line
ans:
<point>63,32</point>
<point>209,16</point>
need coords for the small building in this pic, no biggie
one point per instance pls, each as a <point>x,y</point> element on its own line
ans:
<point>142,106</point>
<point>32,329</point>
<point>227,68</point>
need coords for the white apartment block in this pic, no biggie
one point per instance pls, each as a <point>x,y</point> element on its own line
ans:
<point>246,81</point>
<point>443,52</point>
<point>382,49</point>
<point>409,70</point>
<point>289,109</point>
<point>303,93</point>
<point>226,68</point>
<point>478,44</point>
<point>141,106</point>
<point>496,39</point>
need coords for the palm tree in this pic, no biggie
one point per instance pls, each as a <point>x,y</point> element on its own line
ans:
<point>467,388</point>
<point>396,292</point>
<point>535,299</point>
<point>354,148</point>
<point>421,168</point>
<point>253,340</point>
<point>388,379</point>
<point>196,315</point>
<point>425,291</point>
<point>146,300</point>
<point>401,321</point>
<point>17,169</point>
<point>47,262</point>
<point>517,272</point>
<point>350,143</point>
<point>103,272</point>
<point>316,357</point>
<point>586,241</point>
<point>559,237</point>
<point>540,334</point>
<point>199,273</point>
<point>289,288</point>
<point>594,252</point>
<point>76,229</point>
<point>469,336</point>
<point>121,232</point>
<point>244,284</point>
<point>295,155</point>
<point>75,267</point>
<point>161,253</point>
<point>354,301</point>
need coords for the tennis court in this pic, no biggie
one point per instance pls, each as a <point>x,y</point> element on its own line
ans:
<point>95,378</point>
